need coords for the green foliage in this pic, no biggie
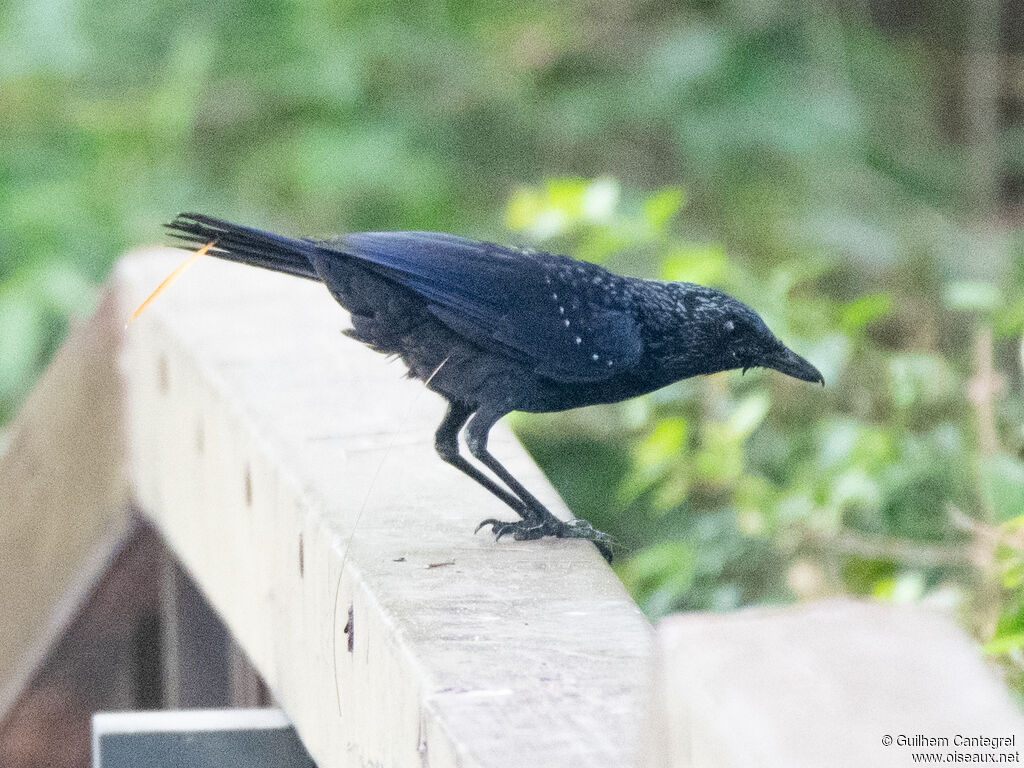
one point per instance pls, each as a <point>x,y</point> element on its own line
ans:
<point>736,489</point>
<point>796,159</point>
<point>1001,484</point>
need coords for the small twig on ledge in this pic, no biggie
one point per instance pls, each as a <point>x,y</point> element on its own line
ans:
<point>904,551</point>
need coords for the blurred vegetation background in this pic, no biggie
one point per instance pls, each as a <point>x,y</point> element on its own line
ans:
<point>854,171</point>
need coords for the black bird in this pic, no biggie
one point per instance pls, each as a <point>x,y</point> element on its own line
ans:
<point>495,329</point>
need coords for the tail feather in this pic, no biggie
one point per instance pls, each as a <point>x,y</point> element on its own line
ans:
<point>244,244</point>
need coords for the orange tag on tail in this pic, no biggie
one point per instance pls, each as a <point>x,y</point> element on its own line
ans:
<point>167,281</point>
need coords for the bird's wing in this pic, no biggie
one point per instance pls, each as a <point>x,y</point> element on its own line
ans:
<point>506,301</point>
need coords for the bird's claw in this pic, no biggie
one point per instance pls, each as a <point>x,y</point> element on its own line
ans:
<point>500,527</point>
<point>528,530</point>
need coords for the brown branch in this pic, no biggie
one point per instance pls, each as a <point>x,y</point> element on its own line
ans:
<point>982,390</point>
<point>904,551</point>
<point>988,536</point>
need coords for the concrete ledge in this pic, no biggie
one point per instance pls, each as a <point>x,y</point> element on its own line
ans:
<point>63,495</point>
<point>822,684</point>
<point>293,472</point>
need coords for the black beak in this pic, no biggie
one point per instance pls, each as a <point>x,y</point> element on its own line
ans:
<point>790,363</point>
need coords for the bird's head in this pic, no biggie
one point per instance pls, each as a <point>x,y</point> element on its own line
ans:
<point>724,333</point>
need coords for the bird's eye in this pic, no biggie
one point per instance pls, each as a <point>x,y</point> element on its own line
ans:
<point>730,326</point>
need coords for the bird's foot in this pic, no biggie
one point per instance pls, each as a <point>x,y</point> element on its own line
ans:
<point>581,529</point>
<point>502,528</point>
<point>529,529</point>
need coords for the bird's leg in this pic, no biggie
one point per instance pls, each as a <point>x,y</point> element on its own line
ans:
<point>542,522</point>
<point>446,442</point>
<point>476,440</point>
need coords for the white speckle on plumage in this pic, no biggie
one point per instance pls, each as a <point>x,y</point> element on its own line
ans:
<point>579,340</point>
<point>608,363</point>
<point>730,325</point>
<point>595,356</point>
<point>561,310</point>
<point>554,296</point>
<point>566,323</point>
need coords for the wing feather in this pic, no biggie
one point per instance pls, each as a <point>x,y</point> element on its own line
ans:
<point>505,300</point>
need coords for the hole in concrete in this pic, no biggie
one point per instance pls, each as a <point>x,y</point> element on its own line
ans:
<point>350,630</point>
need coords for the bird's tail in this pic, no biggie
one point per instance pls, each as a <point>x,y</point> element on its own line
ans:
<point>244,244</point>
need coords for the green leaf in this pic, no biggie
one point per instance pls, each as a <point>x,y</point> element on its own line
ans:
<point>660,460</point>
<point>704,264</point>
<point>752,498</point>
<point>1005,644</point>
<point>661,207</point>
<point>1013,568</point>
<point>523,208</point>
<point>22,336</point>
<point>719,462</point>
<point>566,195</point>
<point>62,288</point>
<point>748,415</point>
<point>561,204</point>
<point>666,440</point>
<point>865,310</point>
<point>659,575</point>
<point>1002,485</point>
<point>1009,319</point>
<point>856,488</point>
<point>973,296</point>
<point>905,588</point>
<point>600,199</point>
<point>921,380</point>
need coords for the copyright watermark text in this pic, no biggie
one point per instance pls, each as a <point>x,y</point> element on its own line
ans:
<point>958,748</point>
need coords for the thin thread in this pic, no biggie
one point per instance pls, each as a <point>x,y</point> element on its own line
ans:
<point>355,527</point>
